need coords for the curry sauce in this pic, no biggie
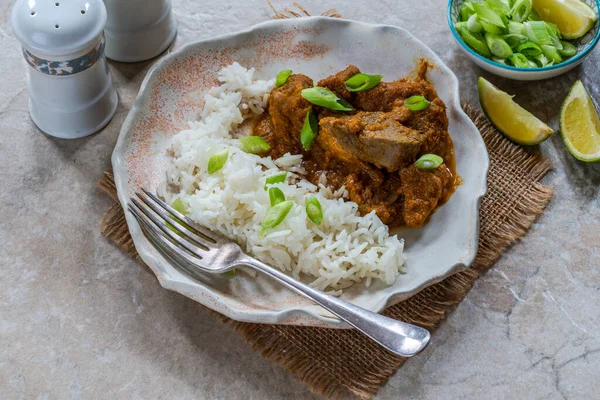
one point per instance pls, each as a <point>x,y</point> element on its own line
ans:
<point>371,150</point>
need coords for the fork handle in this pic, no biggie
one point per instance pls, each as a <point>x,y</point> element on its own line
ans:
<point>398,337</point>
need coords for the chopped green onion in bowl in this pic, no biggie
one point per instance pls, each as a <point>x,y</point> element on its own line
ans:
<point>362,82</point>
<point>282,77</point>
<point>429,161</point>
<point>511,32</point>
<point>254,144</point>
<point>325,98</point>
<point>416,103</point>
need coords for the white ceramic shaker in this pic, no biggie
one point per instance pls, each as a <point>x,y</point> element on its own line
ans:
<point>138,30</point>
<point>71,94</point>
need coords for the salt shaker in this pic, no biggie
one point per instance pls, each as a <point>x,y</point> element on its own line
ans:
<point>71,94</point>
<point>138,30</point>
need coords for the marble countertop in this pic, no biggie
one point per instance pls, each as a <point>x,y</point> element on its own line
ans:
<point>81,320</point>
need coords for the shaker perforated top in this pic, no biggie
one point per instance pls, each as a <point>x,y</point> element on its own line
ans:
<point>58,27</point>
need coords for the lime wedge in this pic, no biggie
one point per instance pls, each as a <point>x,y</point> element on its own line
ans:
<point>574,18</point>
<point>516,123</point>
<point>580,125</point>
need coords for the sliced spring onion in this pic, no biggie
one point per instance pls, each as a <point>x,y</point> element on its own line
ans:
<point>490,28</point>
<point>460,25</point>
<point>499,60</point>
<point>362,82</point>
<point>498,46</point>
<point>473,24</point>
<point>178,205</point>
<point>276,215</point>
<point>309,130</point>
<point>519,60</point>
<point>254,144</point>
<point>552,53</point>
<point>475,41</point>
<point>217,161</point>
<point>282,77</point>
<point>514,40</point>
<point>325,98</point>
<point>499,6</point>
<point>276,196</point>
<point>520,10</point>
<point>537,32</point>
<point>416,103</point>
<point>485,13</point>
<point>278,178</point>
<point>529,49</point>
<point>516,28</point>
<point>429,161</point>
<point>466,10</point>
<point>314,210</point>
<point>568,49</point>
<point>542,61</point>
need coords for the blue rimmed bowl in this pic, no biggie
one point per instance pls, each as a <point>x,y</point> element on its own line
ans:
<point>584,46</point>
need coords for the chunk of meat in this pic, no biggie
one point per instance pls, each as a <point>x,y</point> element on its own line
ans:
<point>333,150</point>
<point>373,137</point>
<point>387,95</point>
<point>335,83</point>
<point>422,191</point>
<point>287,110</point>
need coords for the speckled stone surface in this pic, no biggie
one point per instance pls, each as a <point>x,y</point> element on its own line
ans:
<point>81,320</point>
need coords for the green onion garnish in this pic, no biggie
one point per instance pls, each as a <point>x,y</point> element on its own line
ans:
<point>498,46</point>
<point>520,10</point>
<point>276,196</point>
<point>325,98</point>
<point>276,215</point>
<point>568,49</point>
<point>519,60</point>
<point>475,40</point>
<point>278,178</point>
<point>416,103</point>
<point>552,53</point>
<point>309,130</point>
<point>217,161</point>
<point>314,210</point>
<point>282,77</point>
<point>485,13</point>
<point>178,205</point>
<point>254,144</point>
<point>529,49</point>
<point>534,16</point>
<point>362,82</point>
<point>429,161</point>
<point>473,24</point>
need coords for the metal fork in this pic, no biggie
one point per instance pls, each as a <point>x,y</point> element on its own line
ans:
<point>190,245</point>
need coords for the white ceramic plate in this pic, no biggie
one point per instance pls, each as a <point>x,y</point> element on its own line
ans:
<point>171,95</point>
